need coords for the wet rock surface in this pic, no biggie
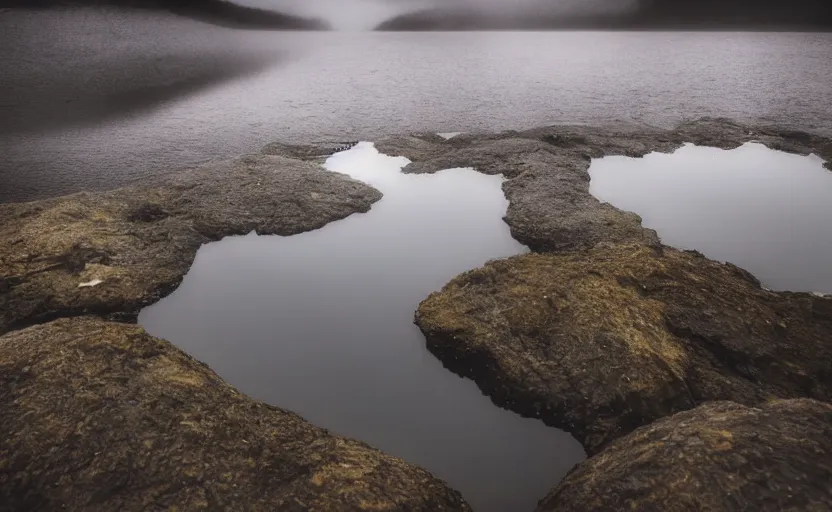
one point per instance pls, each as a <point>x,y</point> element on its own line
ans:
<point>551,208</point>
<point>604,341</point>
<point>99,415</point>
<point>719,456</point>
<point>137,243</point>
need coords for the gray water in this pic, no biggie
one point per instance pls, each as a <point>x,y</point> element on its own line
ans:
<point>766,211</point>
<point>322,324</point>
<point>95,99</point>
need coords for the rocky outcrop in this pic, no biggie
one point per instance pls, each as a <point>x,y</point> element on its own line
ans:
<point>307,152</point>
<point>112,253</point>
<point>97,415</point>
<point>607,333</point>
<point>720,456</point>
<point>550,207</point>
<point>604,341</point>
<point>417,147</point>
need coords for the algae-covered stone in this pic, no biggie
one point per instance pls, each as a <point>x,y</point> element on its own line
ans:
<point>603,341</point>
<point>97,415</point>
<point>138,242</point>
<point>719,456</point>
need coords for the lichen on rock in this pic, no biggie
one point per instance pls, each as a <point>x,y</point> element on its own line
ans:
<point>603,335</point>
<point>140,241</point>
<point>606,340</point>
<point>719,456</point>
<point>99,415</point>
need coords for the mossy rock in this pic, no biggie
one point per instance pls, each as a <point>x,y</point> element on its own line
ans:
<point>604,341</point>
<point>136,243</point>
<point>719,456</point>
<point>98,415</point>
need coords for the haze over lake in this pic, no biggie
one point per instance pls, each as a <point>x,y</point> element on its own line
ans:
<point>95,99</point>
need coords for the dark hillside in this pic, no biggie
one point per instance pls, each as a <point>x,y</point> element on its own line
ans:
<point>801,15</point>
<point>219,12</point>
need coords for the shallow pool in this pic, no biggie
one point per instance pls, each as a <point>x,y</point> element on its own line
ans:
<point>321,324</point>
<point>766,211</point>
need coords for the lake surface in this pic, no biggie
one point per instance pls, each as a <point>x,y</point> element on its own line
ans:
<point>766,211</point>
<point>321,323</point>
<point>95,99</point>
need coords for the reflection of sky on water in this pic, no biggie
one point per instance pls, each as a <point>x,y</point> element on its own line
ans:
<point>321,323</point>
<point>766,211</point>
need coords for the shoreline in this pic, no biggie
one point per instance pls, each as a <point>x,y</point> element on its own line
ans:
<point>136,243</point>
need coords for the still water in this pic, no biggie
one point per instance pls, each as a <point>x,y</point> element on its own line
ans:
<point>321,323</point>
<point>766,211</point>
<point>93,99</point>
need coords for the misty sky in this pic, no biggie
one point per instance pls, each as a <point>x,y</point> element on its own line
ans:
<point>344,14</point>
<point>365,14</point>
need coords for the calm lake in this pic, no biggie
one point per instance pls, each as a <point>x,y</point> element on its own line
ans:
<point>94,99</point>
<point>322,324</point>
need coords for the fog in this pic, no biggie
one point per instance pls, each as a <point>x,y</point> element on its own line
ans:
<point>344,14</point>
<point>365,14</point>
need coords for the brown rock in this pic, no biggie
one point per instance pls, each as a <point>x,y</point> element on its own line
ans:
<point>604,341</point>
<point>97,415</point>
<point>719,456</point>
<point>550,207</point>
<point>416,147</point>
<point>133,245</point>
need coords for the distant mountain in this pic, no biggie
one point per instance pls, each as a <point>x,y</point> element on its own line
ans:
<point>763,14</point>
<point>650,14</point>
<point>440,19</point>
<point>218,12</point>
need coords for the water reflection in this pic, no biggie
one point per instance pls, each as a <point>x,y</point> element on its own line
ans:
<point>764,210</point>
<point>321,323</point>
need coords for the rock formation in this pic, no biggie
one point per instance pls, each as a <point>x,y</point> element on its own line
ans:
<point>138,242</point>
<point>719,456</point>
<point>630,345</point>
<point>604,341</point>
<point>99,415</point>
<point>605,330</point>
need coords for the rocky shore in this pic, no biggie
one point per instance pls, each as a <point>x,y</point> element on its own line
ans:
<point>606,333</point>
<point>602,341</point>
<point>99,415</point>
<point>113,253</point>
<point>689,384</point>
<point>719,456</point>
<point>550,208</point>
